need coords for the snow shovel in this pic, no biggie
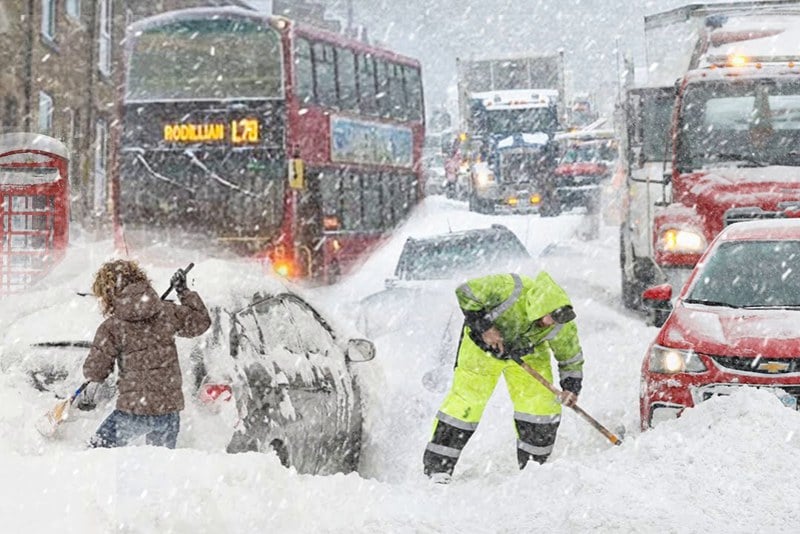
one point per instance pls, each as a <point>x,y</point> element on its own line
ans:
<point>48,423</point>
<point>603,430</point>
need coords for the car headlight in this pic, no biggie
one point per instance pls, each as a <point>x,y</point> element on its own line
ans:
<point>671,361</point>
<point>483,177</point>
<point>682,240</point>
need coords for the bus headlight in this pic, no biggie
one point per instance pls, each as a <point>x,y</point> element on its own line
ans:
<point>682,240</point>
<point>536,198</point>
<point>671,361</point>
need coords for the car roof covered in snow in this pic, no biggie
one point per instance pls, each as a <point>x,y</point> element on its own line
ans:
<point>763,229</point>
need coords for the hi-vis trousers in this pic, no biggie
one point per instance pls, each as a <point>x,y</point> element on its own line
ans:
<point>537,412</point>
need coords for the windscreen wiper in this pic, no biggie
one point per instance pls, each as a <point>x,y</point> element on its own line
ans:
<point>729,156</point>
<point>772,307</point>
<point>711,303</point>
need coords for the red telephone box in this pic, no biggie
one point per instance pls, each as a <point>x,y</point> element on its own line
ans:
<point>34,208</point>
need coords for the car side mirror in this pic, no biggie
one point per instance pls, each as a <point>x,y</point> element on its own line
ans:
<point>360,350</point>
<point>657,303</point>
<point>389,283</point>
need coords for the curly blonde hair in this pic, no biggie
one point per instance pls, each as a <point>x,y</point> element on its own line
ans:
<point>112,278</point>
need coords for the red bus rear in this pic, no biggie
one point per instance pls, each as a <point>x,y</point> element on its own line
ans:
<point>253,133</point>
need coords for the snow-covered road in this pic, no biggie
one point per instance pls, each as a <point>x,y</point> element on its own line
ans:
<point>725,466</point>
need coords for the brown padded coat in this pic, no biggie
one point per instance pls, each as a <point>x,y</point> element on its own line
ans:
<point>140,337</point>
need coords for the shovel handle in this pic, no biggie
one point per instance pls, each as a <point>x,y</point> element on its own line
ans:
<point>613,438</point>
<point>169,290</point>
<point>79,390</point>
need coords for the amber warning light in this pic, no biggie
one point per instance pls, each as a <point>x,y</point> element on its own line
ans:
<point>237,132</point>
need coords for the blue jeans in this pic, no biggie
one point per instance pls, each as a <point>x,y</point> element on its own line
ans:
<point>120,428</point>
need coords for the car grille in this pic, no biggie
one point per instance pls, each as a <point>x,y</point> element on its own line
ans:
<point>771,366</point>
<point>705,393</point>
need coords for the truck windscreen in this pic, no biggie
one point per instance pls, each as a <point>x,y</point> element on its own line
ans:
<point>508,121</point>
<point>747,122</point>
<point>205,59</point>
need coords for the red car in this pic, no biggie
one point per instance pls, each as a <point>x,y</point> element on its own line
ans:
<point>735,323</point>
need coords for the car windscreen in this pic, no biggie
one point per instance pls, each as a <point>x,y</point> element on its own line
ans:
<point>750,274</point>
<point>443,259</point>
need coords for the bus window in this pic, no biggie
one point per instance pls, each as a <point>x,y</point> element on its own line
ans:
<point>210,58</point>
<point>410,185</point>
<point>304,72</point>
<point>373,217</point>
<point>397,93</point>
<point>367,102</point>
<point>346,72</point>
<point>325,74</point>
<point>414,92</point>
<point>330,186</point>
<point>382,77</point>
<point>351,202</point>
<point>387,199</point>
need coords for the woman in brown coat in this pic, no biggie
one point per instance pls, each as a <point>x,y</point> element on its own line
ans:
<point>139,336</point>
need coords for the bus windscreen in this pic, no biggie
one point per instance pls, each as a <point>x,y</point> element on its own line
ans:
<point>205,59</point>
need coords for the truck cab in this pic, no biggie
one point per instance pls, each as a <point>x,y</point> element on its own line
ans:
<point>512,151</point>
<point>728,78</point>
<point>735,155</point>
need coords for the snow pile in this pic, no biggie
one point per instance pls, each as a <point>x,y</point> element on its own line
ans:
<point>721,467</point>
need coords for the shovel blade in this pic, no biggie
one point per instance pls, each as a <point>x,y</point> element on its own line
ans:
<point>48,423</point>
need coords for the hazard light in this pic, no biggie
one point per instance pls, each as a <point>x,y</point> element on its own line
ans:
<point>737,60</point>
<point>284,267</point>
<point>536,198</point>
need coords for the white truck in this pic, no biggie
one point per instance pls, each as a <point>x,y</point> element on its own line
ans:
<point>510,109</point>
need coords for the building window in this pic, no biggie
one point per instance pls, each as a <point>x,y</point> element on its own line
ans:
<point>10,114</point>
<point>74,8</point>
<point>104,56</point>
<point>49,19</point>
<point>100,166</point>
<point>5,25</point>
<point>45,113</point>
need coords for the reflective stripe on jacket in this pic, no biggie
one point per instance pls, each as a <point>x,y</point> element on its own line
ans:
<point>512,303</point>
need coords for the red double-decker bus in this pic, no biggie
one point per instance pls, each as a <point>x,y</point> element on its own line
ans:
<point>266,136</point>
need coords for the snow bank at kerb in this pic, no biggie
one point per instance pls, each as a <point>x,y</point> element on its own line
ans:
<point>695,474</point>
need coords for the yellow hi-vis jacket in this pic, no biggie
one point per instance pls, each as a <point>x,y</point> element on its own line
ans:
<point>512,303</point>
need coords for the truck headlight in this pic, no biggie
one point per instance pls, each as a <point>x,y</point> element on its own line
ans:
<point>483,177</point>
<point>682,240</point>
<point>671,361</point>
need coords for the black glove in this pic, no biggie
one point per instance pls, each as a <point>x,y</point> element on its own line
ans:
<point>572,384</point>
<point>178,282</point>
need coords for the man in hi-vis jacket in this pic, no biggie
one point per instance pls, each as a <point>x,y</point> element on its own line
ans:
<point>508,315</point>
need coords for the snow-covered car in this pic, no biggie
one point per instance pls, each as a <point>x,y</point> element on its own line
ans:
<point>427,273</point>
<point>733,325</point>
<point>274,372</point>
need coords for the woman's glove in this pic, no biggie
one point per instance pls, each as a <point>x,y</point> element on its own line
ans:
<point>178,281</point>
